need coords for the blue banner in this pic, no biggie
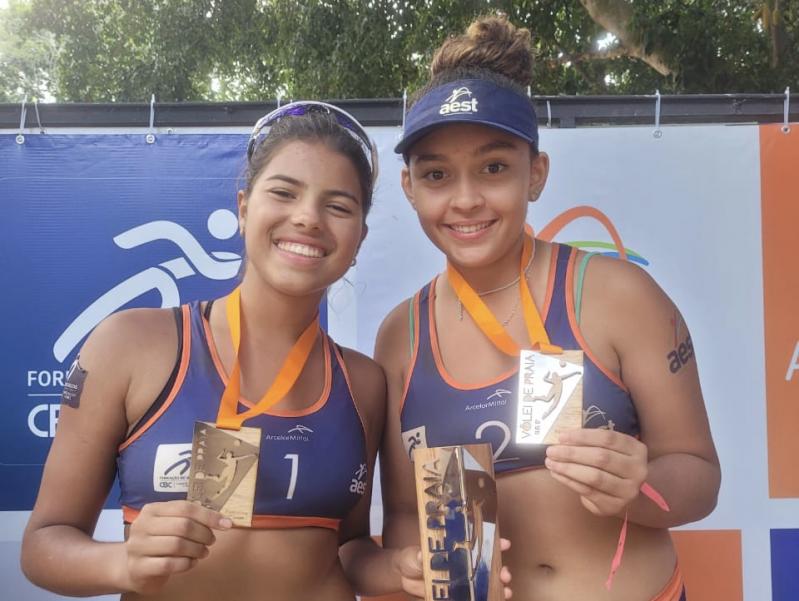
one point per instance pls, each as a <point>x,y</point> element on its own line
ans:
<point>93,224</point>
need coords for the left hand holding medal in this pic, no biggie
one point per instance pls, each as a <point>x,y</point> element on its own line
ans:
<point>606,468</point>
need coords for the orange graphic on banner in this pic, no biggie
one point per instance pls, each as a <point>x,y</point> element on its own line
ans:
<point>711,563</point>
<point>552,228</point>
<point>779,177</point>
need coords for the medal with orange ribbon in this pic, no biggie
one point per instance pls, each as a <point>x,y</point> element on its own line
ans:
<point>550,379</point>
<point>224,458</point>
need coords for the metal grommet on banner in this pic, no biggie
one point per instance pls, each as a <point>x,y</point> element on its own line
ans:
<point>38,119</point>
<point>658,133</point>
<point>404,110</point>
<point>23,110</point>
<point>549,115</point>
<point>404,106</point>
<point>150,137</point>
<point>786,128</point>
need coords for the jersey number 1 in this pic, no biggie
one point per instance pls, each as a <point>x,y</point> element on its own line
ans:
<point>295,464</point>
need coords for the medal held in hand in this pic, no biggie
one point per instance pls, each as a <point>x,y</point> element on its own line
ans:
<point>224,456</point>
<point>457,500</point>
<point>224,465</point>
<point>550,396</point>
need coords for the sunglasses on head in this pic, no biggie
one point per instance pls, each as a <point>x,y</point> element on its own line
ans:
<point>297,109</point>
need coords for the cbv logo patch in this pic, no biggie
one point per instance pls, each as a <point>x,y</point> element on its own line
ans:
<point>171,468</point>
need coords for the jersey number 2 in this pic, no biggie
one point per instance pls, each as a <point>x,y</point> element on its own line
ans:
<point>478,434</point>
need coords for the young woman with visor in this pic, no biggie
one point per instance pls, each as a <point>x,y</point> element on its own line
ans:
<point>644,460</point>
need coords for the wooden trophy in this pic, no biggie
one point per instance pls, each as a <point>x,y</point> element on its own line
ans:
<point>457,499</point>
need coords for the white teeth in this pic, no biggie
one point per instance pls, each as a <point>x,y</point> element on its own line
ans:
<point>470,229</point>
<point>300,249</point>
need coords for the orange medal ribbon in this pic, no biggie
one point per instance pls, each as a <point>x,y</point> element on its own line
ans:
<point>228,416</point>
<point>489,325</point>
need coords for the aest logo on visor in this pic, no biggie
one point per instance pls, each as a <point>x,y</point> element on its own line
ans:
<point>455,103</point>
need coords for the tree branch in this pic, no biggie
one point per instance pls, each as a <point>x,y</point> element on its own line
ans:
<point>582,57</point>
<point>615,16</point>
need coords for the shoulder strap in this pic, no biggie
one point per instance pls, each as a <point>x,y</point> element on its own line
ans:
<point>170,383</point>
<point>578,285</point>
<point>411,325</point>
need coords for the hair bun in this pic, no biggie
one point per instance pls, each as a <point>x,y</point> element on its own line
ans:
<point>491,43</point>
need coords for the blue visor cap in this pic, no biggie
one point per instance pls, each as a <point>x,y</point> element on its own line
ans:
<point>470,101</point>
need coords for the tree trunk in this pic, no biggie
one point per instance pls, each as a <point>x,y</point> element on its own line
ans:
<point>615,16</point>
<point>776,33</point>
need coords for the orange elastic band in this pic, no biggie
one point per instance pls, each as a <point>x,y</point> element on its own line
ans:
<point>649,492</point>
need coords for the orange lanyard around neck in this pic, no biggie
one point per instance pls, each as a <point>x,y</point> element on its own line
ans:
<point>489,325</point>
<point>228,416</point>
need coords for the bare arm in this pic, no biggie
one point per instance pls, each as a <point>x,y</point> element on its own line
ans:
<point>374,570</point>
<point>392,351</point>
<point>370,569</point>
<point>636,330</point>
<point>58,552</point>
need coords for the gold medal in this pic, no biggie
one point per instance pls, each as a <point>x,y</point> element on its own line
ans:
<point>224,456</point>
<point>224,465</point>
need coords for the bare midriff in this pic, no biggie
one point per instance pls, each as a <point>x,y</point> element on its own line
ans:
<point>262,564</point>
<point>561,552</point>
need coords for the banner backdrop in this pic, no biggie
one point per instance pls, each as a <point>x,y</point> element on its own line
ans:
<point>96,223</point>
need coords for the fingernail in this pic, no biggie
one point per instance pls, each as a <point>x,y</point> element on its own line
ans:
<point>225,523</point>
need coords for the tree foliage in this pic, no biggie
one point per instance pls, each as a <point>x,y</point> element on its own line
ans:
<point>27,56</point>
<point>180,50</point>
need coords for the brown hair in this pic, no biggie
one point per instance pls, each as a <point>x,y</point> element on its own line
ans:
<point>312,127</point>
<point>491,43</point>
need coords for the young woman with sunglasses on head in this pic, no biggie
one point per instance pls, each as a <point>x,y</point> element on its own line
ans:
<point>311,169</point>
<point>644,460</point>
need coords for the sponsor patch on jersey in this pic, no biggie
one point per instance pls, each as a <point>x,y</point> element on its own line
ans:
<point>171,468</point>
<point>358,483</point>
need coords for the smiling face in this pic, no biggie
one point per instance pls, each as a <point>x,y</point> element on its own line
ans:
<point>302,218</point>
<point>470,185</point>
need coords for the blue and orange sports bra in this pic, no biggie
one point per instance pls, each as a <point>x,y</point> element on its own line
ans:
<point>312,468</point>
<point>437,410</point>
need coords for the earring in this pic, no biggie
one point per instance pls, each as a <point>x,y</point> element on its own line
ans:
<point>354,261</point>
